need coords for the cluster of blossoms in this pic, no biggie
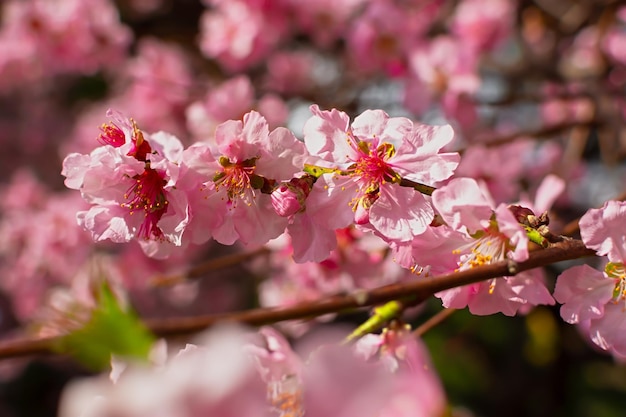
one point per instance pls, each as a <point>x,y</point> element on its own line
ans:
<point>227,148</point>
<point>252,185</point>
<point>231,372</point>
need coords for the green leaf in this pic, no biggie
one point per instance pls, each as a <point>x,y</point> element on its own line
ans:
<point>109,331</point>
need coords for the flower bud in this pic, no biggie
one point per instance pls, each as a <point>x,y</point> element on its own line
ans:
<point>288,198</point>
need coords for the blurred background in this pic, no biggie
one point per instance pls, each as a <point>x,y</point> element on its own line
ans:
<point>531,87</point>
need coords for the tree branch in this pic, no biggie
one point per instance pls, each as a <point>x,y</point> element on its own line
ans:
<point>421,288</point>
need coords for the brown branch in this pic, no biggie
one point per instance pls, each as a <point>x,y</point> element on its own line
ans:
<point>421,288</point>
<point>433,321</point>
<point>211,265</point>
<point>543,132</point>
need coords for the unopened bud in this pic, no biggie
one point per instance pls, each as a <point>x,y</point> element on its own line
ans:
<point>287,200</point>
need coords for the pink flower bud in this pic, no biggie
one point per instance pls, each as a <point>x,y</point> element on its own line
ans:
<point>287,199</point>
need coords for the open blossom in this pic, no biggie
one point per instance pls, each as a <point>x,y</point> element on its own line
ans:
<point>366,161</point>
<point>252,160</point>
<point>597,299</point>
<point>382,36</point>
<point>485,234</point>
<point>131,183</point>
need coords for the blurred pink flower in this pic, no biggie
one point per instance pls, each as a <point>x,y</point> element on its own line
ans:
<point>239,35</point>
<point>483,24</point>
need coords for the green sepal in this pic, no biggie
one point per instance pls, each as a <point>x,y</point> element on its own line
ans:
<point>317,172</point>
<point>536,237</point>
<point>382,315</point>
<point>110,331</point>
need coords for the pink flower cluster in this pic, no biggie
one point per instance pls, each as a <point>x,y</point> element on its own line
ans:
<point>251,185</point>
<point>41,38</point>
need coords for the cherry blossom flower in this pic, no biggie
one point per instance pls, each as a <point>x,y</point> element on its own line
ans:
<point>483,24</point>
<point>252,159</point>
<point>487,234</point>
<point>41,246</point>
<point>418,391</point>
<point>381,38</point>
<point>239,35</point>
<point>48,37</point>
<point>131,183</point>
<point>369,158</point>
<point>326,20</point>
<point>596,299</point>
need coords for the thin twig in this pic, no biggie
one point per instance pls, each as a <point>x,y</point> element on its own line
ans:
<point>433,321</point>
<point>211,265</point>
<point>543,132</point>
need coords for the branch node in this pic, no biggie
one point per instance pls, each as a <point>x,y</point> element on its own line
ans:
<point>512,267</point>
<point>360,296</point>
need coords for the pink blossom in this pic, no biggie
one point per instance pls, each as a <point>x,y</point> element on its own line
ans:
<point>231,100</point>
<point>215,378</point>
<point>381,38</point>
<point>46,37</point>
<point>483,24</point>
<point>418,391</point>
<point>122,179</point>
<point>583,292</point>
<point>603,230</point>
<point>155,85</point>
<point>41,246</point>
<point>238,35</point>
<point>596,299</point>
<point>291,72</point>
<point>359,261</point>
<point>608,332</point>
<point>442,68</point>
<point>324,20</point>
<point>497,169</point>
<point>378,153</point>
<point>494,235</point>
<point>251,158</point>
<point>288,198</point>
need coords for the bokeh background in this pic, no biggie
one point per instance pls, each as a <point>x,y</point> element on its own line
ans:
<point>531,87</point>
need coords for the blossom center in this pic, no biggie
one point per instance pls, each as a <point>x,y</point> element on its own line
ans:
<point>112,135</point>
<point>147,194</point>
<point>488,247</point>
<point>236,178</point>
<point>371,165</point>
